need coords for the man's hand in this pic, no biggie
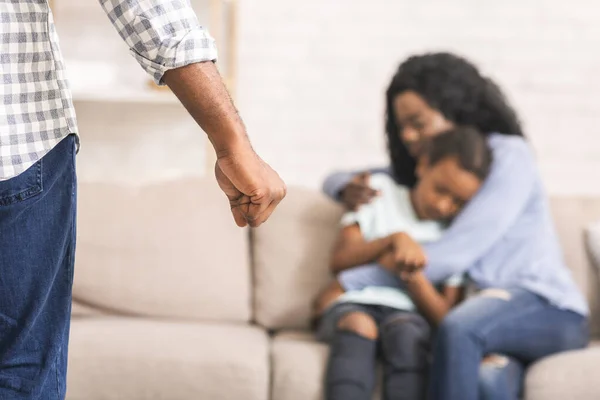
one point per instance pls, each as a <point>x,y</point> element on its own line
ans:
<point>253,188</point>
<point>358,192</point>
<point>408,254</point>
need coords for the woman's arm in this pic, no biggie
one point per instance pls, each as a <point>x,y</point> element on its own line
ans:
<point>351,249</point>
<point>433,305</point>
<point>489,215</point>
<point>335,183</point>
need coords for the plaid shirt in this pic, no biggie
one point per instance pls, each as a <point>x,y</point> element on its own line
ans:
<point>37,110</point>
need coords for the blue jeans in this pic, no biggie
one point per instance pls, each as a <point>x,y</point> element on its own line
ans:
<point>501,381</point>
<point>402,345</point>
<point>355,358</point>
<point>37,246</point>
<point>524,326</point>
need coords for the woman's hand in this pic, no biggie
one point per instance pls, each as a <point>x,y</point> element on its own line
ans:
<point>388,262</point>
<point>408,254</point>
<point>358,192</point>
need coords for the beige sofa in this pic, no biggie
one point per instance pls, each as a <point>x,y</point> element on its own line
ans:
<point>174,302</point>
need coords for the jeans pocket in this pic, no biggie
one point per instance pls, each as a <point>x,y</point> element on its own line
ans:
<point>23,186</point>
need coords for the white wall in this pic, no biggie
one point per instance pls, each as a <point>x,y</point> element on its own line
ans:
<point>312,76</point>
<point>130,133</point>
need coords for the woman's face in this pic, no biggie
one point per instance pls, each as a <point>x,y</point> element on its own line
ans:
<point>417,121</point>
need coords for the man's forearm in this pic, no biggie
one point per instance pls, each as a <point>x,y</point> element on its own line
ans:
<point>200,89</point>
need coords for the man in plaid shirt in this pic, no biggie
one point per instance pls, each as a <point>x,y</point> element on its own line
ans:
<point>37,168</point>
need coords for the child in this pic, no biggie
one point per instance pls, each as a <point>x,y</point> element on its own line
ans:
<point>371,300</point>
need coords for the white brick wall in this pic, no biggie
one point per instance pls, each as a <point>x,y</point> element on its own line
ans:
<point>312,76</point>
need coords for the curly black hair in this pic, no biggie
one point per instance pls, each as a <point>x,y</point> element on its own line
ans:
<point>454,87</point>
<point>467,145</point>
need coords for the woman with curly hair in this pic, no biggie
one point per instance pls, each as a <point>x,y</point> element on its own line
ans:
<point>527,305</point>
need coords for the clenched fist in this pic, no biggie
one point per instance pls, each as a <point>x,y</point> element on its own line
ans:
<point>253,188</point>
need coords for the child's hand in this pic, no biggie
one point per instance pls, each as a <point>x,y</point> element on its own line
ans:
<point>411,276</point>
<point>408,254</point>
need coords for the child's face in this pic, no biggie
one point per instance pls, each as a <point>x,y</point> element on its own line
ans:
<point>443,189</point>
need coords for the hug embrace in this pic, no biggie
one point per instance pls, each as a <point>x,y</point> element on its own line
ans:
<point>447,265</point>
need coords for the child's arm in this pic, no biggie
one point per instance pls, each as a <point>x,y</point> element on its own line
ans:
<point>352,249</point>
<point>429,301</point>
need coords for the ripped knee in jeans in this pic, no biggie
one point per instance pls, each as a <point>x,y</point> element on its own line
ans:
<point>494,361</point>
<point>496,293</point>
<point>500,377</point>
<point>359,323</point>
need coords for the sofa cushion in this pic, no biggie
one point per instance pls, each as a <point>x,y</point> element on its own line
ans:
<point>298,363</point>
<point>593,244</point>
<point>170,249</point>
<point>571,216</point>
<point>570,375</point>
<point>291,255</point>
<point>79,310</point>
<point>291,258</point>
<point>134,359</point>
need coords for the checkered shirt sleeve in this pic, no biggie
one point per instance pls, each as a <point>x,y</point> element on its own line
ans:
<point>161,34</point>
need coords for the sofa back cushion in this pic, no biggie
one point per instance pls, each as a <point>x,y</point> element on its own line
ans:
<point>291,258</point>
<point>291,255</point>
<point>572,215</point>
<point>166,250</point>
